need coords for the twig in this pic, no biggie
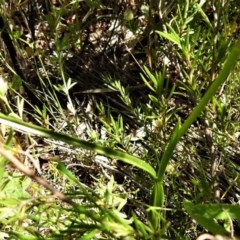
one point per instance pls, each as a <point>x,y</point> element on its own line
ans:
<point>29,173</point>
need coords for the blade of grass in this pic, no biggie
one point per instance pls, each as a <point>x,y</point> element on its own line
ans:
<point>229,65</point>
<point>39,131</point>
<point>206,214</point>
<point>179,131</point>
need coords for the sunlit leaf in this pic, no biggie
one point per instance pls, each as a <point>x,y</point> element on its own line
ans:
<point>39,131</point>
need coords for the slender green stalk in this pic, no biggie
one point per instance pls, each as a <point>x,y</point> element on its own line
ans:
<point>117,154</point>
<point>179,132</point>
<point>158,192</point>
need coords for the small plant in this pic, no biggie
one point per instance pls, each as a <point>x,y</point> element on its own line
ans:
<point>157,214</point>
<point>148,158</point>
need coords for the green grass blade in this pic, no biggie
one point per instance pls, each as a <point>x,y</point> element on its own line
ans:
<point>214,211</point>
<point>68,174</point>
<point>39,131</point>
<point>179,131</point>
<point>157,200</point>
<point>173,37</point>
<point>206,214</point>
<point>228,67</point>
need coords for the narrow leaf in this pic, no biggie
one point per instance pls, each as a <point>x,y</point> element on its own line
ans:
<point>199,213</point>
<point>171,37</point>
<point>98,148</point>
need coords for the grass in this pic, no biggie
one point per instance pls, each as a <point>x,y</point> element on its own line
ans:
<point>121,132</point>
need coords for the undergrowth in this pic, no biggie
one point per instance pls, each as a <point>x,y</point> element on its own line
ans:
<point>119,120</point>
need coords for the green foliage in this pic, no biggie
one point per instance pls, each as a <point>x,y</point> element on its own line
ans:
<point>207,214</point>
<point>170,134</point>
<point>15,123</point>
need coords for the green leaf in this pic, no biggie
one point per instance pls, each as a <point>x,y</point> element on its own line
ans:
<point>180,130</point>
<point>10,202</point>
<point>68,174</point>
<point>207,214</point>
<point>13,187</point>
<point>23,236</point>
<point>89,235</point>
<point>151,76</point>
<point>217,211</point>
<point>204,16</point>
<point>98,148</point>
<point>158,201</point>
<point>140,226</point>
<point>228,67</point>
<point>153,99</point>
<point>147,83</point>
<point>173,36</point>
<point>169,150</point>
